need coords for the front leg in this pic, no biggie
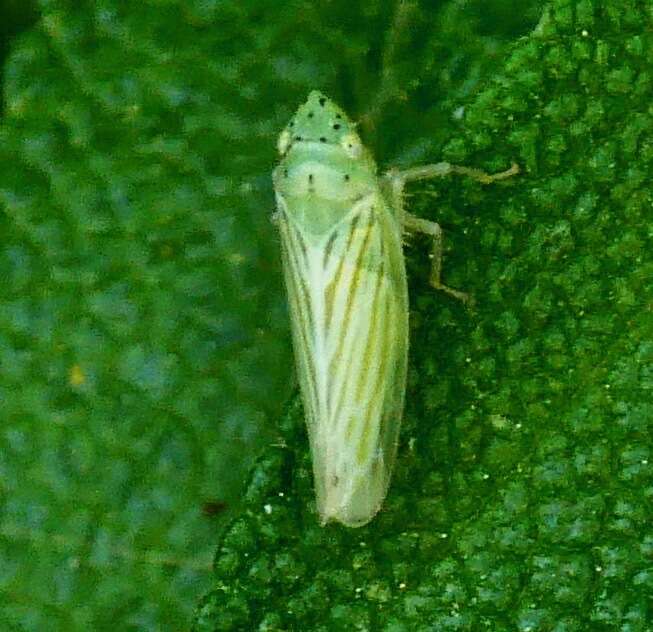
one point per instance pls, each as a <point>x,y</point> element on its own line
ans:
<point>442,169</point>
<point>397,181</point>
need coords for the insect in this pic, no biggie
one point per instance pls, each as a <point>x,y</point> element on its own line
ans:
<point>341,228</point>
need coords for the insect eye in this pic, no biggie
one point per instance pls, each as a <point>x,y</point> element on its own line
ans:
<point>352,145</point>
<point>283,142</point>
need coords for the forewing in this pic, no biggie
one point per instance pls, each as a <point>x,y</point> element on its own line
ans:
<point>297,275</point>
<point>347,294</point>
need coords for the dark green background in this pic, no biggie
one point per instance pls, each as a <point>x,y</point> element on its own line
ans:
<point>143,333</point>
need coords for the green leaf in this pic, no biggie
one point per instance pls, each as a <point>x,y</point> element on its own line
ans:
<point>522,495</point>
<point>143,337</point>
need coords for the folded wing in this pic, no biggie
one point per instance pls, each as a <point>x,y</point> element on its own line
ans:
<point>347,293</point>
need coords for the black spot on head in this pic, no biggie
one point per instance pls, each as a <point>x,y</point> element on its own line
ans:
<point>298,137</point>
<point>346,177</point>
<point>336,126</point>
<point>310,115</point>
<point>322,101</point>
<point>322,139</point>
<point>310,178</point>
<point>291,123</point>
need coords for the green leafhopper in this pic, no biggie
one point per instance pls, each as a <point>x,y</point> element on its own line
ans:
<point>341,228</point>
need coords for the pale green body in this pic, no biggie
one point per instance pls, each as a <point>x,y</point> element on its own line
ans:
<point>345,277</point>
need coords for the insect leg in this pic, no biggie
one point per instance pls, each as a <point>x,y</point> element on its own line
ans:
<point>397,181</point>
<point>419,225</point>
<point>442,169</point>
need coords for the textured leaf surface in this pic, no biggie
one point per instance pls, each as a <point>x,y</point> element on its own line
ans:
<point>522,498</point>
<point>143,334</point>
<point>141,318</point>
<point>143,337</point>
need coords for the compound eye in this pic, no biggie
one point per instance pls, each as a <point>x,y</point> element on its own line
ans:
<point>283,142</point>
<point>352,145</point>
